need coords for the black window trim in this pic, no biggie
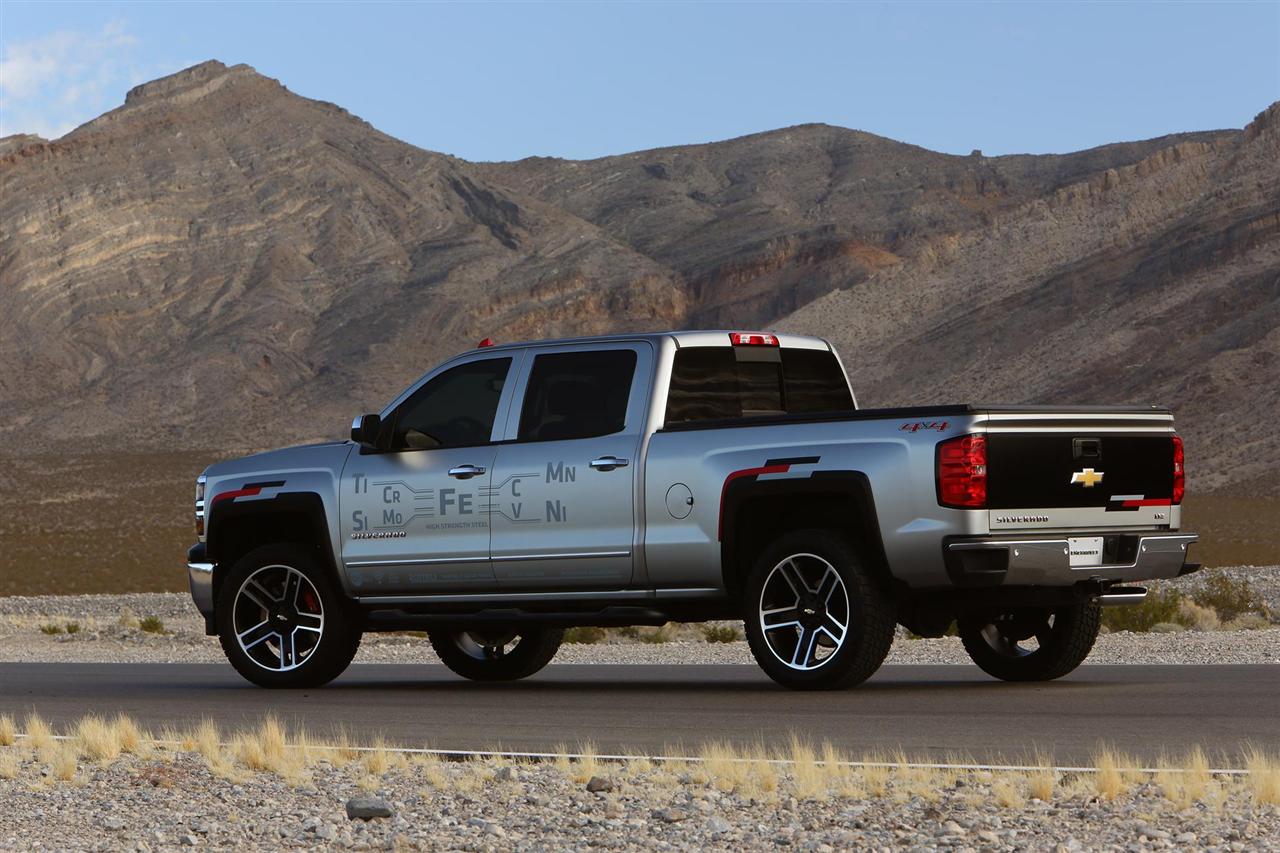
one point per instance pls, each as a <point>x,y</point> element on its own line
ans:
<point>749,420</point>
<point>643,350</point>
<point>392,411</point>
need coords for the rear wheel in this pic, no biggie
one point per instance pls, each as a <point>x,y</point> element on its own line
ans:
<point>815,618</point>
<point>282,621</point>
<point>1032,644</point>
<point>496,654</point>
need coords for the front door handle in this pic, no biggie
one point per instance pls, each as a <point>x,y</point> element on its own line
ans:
<point>608,463</point>
<point>466,472</point>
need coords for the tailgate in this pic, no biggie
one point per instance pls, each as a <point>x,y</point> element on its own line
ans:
<point>1077,470</point>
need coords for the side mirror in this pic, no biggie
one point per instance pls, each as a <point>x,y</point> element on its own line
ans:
<point>364,430</point>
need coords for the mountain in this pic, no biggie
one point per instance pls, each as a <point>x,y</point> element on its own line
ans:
<point>220,263</point>
<point>1155,281</point>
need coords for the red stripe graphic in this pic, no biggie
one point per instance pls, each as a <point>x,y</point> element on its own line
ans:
<point>1148,502</point>
<point>249,491</point>
<point>745,472</point>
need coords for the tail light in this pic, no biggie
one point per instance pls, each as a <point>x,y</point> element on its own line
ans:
<point>962,472</point>
<point>1179,479</point>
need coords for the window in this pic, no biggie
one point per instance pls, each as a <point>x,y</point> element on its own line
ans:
<point>711,383</point>
<point>455,409</point>
<point>815,382</point>
<point>577,395</point>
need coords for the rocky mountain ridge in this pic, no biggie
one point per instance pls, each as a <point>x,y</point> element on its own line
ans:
<point>221,263</point>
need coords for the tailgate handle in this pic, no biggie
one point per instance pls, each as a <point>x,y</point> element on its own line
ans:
<point>1086,448</point>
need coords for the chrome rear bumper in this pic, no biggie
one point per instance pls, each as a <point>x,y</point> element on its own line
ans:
<point>1046,561</point>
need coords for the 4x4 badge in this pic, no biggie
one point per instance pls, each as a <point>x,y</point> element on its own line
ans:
<point>1087,478</point>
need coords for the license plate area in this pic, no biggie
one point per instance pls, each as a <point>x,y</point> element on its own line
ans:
<point>1085,550</point>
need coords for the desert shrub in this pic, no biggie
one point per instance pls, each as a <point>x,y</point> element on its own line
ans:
<point>1248,622</point>
<point>1167,628</point>
<point>721,633</point>
<point>1229,596</point>
<point>588,634</point>
<point>73,627</point>
<point>1160,606</point>
<point>50,628</point>
<point>151,624</point>
<point>1196,617</point>
<point>665,634</point>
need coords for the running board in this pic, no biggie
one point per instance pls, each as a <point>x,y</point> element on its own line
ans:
<point>1120,595</point>
<point>404,620</point>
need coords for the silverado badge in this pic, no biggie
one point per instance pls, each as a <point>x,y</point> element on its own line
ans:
<point>1088,478</point>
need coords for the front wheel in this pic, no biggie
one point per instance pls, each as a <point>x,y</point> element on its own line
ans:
<point>815,617</point>
<point>496,654</point>
<point>1032,644</point>
<point>281,619</point>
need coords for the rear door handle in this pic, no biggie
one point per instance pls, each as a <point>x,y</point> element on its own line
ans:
<point>466,472</point>
<point>608,463</point>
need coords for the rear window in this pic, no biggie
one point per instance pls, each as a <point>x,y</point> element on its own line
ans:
<point>711,383</point>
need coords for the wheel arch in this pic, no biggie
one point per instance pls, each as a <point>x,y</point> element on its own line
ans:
<point>755,512</point>
<point>238,527</point>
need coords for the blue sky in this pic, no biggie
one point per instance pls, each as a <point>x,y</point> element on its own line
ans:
<point>495,81</point>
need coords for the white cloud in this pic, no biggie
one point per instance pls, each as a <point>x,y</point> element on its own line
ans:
<point>51,84</point>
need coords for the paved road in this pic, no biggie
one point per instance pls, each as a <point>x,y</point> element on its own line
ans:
<point>933,710</point>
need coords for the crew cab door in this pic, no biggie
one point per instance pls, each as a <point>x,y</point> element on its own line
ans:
<point>413,516</point>
<point>562,498</point>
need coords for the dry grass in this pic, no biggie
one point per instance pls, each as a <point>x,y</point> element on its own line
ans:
<point>430,769</point>
<point>62,762</point>
<point>587,765</point>
<point>97,739</point>
<point>875,774</point>
<point>808,778</point>
<point>1188,781</point>
<point>128,735</point>
<point>8,731</point>
<point>1043,781</point>
<point>802,770</point>
<point>265,750</point>
<point>381,758</point>
<point>1109,781</point>
<point>39,736</point>
<point>1264,776</point>
<point>917,781</point>
<point>1007,790</point>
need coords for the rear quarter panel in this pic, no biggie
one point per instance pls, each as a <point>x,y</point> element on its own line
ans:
<point>895,454</point>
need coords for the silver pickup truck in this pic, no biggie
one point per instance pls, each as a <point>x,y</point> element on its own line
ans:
<point>516,491</point>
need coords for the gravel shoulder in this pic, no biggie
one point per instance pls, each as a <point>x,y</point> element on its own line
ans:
<point>107,631</point>
<point>169,799</point>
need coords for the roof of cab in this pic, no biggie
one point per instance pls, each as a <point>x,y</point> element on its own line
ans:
<point>686,338</point>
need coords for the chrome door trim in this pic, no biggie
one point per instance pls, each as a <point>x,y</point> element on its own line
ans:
<point>515,558</point>
<point>573,595</point>
<point>427,561</point>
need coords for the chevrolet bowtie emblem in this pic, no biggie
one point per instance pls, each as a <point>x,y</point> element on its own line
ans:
<point>1088,478</point>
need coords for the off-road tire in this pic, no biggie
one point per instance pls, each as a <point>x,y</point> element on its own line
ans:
<point>1071,638</point>
<point>870,627</point>
<point>535,650</point>
<point>339,638</point>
